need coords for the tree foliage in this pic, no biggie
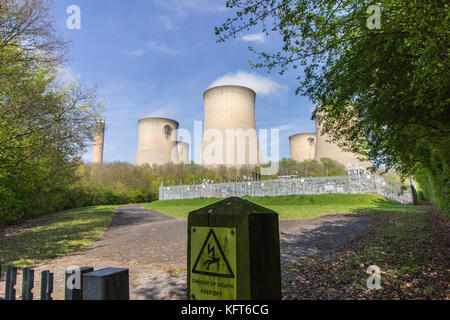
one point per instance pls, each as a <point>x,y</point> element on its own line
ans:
<point>385,91</point>
<point>45,122</point>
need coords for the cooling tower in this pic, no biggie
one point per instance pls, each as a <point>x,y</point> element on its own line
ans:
<point>229,132</point>
<point>303,146</point>
<point>157,142</point>
<point>327,149</point>
<point>99,140</point>
<point>183,152</point>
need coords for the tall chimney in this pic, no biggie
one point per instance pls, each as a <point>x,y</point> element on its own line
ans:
<point>99,141</point>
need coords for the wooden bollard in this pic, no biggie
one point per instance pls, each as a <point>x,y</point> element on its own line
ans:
<point>74,283</point>
<point>106,284</point>
<point>27,283</point>
<point>46,285</point>
<point>11,280</point>
<point>233,252</point>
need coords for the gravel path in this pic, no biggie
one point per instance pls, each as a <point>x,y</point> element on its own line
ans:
<point>153,246</point>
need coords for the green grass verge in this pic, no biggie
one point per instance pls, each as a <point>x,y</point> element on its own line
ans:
<point>57,234</point>
<point>293,207</point>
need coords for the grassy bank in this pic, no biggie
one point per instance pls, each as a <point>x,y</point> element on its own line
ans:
<point>409,248</point>
<point>293,207</point>
<point>53,235</point>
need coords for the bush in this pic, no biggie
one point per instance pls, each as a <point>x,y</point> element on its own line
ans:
<point>10,207</point>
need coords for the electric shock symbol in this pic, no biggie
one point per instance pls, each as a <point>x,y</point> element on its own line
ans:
<point>212,262</point>
<point>212,258</point>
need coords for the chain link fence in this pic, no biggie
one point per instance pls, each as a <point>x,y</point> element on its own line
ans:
<point>357,182</point>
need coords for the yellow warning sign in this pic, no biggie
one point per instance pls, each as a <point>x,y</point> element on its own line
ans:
<point>213,263</point>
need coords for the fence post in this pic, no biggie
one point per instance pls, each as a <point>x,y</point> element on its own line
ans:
<point>46,285</point>
<point>11,278</point>
<point>27,283</point>
<point>106,284</point>
<point>76,275</point>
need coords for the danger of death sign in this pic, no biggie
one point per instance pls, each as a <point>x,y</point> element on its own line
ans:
<point>213,263</point>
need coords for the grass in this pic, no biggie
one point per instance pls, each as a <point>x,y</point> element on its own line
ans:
<point>293,207</point>
<point>57,234</point>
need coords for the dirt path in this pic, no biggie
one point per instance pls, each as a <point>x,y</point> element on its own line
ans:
<point>153,246</point>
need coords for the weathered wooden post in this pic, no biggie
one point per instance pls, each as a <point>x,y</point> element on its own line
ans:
<point>106,284</point>
<point>46,285</point>
<point>27,283</point>
<point>74,283</point>
<point>233,252</point>
<point>11,280</point>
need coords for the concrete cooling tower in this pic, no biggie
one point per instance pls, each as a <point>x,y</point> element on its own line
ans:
<point>99,141</point>
<point>157,142</point>
<point>303,146</point>
<point>229,132</point>
<point>183,152</point>
<point>327,149</point>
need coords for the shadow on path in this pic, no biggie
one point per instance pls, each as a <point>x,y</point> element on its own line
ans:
<point>321,236</point>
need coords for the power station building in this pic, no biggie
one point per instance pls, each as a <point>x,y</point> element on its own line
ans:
<point>157,143</point>
<point>302,146</point>
<point>229,129</point>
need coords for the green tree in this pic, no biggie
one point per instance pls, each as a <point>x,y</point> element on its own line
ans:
<point>45,123</point>
<point>386,91</point>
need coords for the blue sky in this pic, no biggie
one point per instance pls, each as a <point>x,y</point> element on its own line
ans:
<point>157,57</point>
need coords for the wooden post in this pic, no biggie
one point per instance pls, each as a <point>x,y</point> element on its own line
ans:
<point>27,283</point>
<point>11,280</point>
<point>46,285</point>
<point>233,252</point>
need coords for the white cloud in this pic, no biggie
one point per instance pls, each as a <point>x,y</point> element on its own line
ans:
<point>184,7</point>
<point>255,37</point>
<point>166,112</point>
<point>136,53</point>
<point>154,46</point>
<point>167,23</point>
<point>263,86</point>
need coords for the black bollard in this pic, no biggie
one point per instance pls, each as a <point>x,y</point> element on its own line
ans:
<point>27,283</point>
<point>74,283</point>
<point>106,284</point>
<point>11,279</point>
<point>46,285</point>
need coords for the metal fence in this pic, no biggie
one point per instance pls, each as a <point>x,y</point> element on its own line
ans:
<point>80,284</point>
<point>360,183</point>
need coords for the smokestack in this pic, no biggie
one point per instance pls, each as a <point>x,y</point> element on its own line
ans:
<point>229,135</point>
<point>157,141</point>
<point>99,140</point>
